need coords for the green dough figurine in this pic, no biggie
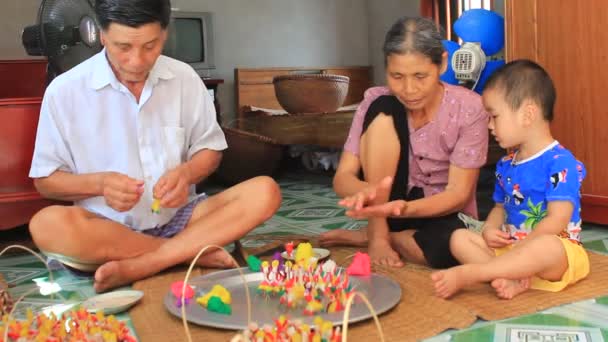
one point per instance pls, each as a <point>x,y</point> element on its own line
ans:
<point>254,263</point>
<point>216,305</point>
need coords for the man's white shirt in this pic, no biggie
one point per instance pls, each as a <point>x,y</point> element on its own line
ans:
<point>90,122</point>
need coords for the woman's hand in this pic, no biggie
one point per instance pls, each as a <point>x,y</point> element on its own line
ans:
<point>366,196</point>
<point>172,188</point>
<point>496,238</point>
<point>362,205</point>
<point>389,209</point>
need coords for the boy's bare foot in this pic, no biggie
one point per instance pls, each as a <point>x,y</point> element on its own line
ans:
<point>343,237</point>
<point>508,288</point>
<point>113,274</point>
<point>448,282</point>
<point>381,253</point>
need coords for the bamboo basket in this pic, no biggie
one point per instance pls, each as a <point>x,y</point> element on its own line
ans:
<point>310,93</point>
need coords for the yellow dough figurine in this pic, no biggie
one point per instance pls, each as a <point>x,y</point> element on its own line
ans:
<point>304,252</point>
<point>156,206</point>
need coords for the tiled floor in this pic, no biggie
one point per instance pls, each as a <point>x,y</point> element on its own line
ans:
<point>309,207</point>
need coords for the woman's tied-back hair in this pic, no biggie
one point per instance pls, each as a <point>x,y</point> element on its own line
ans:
<point>410,35</point>
<point>523,79</point>
<point>133,13</point>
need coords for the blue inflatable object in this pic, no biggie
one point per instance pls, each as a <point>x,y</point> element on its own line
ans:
<point>491,66</point>
<point>449,76</point>
<point>484,27</point>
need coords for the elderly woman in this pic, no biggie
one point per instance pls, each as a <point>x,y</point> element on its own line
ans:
<point>412,157</point>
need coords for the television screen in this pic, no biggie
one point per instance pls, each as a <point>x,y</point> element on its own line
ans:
<point>189,36</point>
<point>190,39</point>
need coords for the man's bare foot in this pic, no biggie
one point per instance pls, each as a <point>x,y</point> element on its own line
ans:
<point>381,253</point>
<point>113,274</point>
<point>448,282</point>
<point>109,276</point>
<point>508,288</point>
<point>343,237</point>
<point>215,259</point>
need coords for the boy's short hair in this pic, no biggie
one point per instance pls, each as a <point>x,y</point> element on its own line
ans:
<point>524,79</point>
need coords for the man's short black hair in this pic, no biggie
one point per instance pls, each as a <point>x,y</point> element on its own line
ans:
<point>133,13</point>
<point>523,79</point>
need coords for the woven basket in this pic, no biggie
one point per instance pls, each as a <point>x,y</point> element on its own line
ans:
<point>310,93</point>
<point>248,155</point>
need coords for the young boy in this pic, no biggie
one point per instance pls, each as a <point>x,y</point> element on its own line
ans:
<point>531,238</point>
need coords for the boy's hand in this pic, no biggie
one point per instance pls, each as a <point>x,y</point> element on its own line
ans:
<point>172,187</point>
<point>367,195</point>
<point>496,238</point>
<point>121,192</point>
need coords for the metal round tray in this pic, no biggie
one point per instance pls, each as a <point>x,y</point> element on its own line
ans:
<point>382,292</point>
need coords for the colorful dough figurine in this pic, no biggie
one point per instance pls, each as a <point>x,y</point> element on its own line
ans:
<point>361,265</point>
<point>176,290</point>
<point>286,330</point>
<point>155,206</point>
<point>77,325</point>
<point>217,300</point>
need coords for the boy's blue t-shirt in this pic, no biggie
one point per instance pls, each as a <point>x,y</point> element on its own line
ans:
<point>525,188</point>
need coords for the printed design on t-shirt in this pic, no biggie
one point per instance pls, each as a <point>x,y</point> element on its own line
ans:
<point>518,198</point>
<point>579,168</point>
<point>534,214</point>
<point>499,179</point>
<point>558,177</point>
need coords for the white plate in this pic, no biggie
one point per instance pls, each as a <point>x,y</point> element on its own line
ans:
<point>319,253</point>
<point>112,302</point>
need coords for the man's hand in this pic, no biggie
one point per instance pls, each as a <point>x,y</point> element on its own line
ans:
<point>121,192</point>
<point>496,238</point>
<point>172,187</point>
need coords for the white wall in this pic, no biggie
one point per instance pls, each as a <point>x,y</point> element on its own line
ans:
<point>266,33</point>
<point>14,16</point>
<point>382,15</point>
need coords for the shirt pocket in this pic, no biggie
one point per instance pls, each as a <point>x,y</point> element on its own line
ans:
<point>174,141</point>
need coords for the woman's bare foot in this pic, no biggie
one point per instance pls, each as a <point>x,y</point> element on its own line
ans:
<point>381,253</point>
<point>448,282</point>
<point>343,237</point>
<point>508,288</point>
<point>117,273</point>
<point>403,243</point>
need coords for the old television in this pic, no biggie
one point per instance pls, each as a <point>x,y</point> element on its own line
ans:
<point>190,40</point>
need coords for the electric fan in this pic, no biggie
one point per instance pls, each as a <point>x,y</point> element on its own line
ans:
<point>468,62</point>
<point>482,32</point>
<point>67,33</point>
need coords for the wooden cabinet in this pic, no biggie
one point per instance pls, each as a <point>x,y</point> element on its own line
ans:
<point>570,39</point>
<point>21,91</point>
